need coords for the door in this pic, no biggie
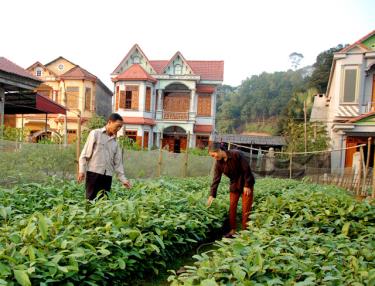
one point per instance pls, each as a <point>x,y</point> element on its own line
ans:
<point>351,142</point>
<point>145,140</point>
<point>177,146</point>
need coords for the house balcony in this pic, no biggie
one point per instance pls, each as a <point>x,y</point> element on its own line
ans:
<point>173,115</point>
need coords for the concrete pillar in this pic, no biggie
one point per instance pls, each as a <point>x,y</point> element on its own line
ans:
<point>159,111</point>
<point>193,104</point>
<point>160,100</point>
<point>142,97</point>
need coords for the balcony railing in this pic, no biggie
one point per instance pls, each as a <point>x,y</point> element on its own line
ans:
<point>172,115</point>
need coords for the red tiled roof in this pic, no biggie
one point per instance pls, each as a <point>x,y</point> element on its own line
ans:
<point>362,116</point>
<point>205,89</point>
<point>136,46</point>
<point>207,70</point>
<point>135,72</point>
<point>203,128</point>
<point>10,67</point>
<point>159,65</point>
<point>359,42</point>
<point>175,56</point>
<point>138,120</point>
<point>78,73</point>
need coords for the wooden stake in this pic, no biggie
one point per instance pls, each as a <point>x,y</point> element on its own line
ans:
<point>360,170</point>
<point>290,165</point>
<point>373,179</point>
<point>305,124</point>
<point>78,139</point>
<point>186,156</point>
<point>160,156</point>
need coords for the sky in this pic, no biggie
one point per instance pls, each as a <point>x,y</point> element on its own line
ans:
<point>250,36</point>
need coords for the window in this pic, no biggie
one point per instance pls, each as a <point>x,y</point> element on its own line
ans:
<point>202,141</point>
<point>56,96</point>
<point>148,99</point>
<point>60,67</point>
<point>117,97</point>
<point>136,60</point>
<point>72,96</point>
<point>38,72</point>
<point>349,94</point>
<point>88,98</point>
<point>204,105</point>
<point>122,99</point>
<point>132,135</point>
<point>178,69</point>
<point>129,98</point>
<point>45,93</point>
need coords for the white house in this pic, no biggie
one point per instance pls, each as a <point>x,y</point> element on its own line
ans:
<point>167,99</point>
<point>348,107</point>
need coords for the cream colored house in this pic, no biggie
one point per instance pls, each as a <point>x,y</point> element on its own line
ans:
<point>72,86</point>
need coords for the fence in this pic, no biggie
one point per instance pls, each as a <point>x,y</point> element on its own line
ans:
<point>315,167</point>
<point>33,162</point>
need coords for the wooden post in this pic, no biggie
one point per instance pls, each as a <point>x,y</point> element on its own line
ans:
<point>363,166</point>
<point>160,155</point>
<point>305,124</point>
<point>290,165</point>
<point>229,146</point>
<point>186,156</point>
<point>78,150</point>
<point>358,187</point>
<point>22,138</point>
<point>368,158</point>
<point>368,154</point>
<point>315,132</point>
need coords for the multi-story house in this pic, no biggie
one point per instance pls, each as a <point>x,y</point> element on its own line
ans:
<point>167,101</point>
<point>73,87</point>
<point>348,107</point>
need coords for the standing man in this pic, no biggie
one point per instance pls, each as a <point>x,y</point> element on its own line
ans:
<point>235,166</point>
<point>101,157</point>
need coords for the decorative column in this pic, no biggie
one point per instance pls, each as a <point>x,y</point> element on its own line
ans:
<point>192,104</point>
<point>160,100</point>
<point>142,96</point>
<point>159,109</point>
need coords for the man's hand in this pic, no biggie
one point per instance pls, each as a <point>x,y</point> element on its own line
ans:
<point>210,200</point>
<point>127,184</point>
<point>81,177</point>
<point>247,191</point>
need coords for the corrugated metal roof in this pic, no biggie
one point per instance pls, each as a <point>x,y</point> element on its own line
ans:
<point>250,139</point>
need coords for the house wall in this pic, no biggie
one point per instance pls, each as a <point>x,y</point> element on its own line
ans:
<point>103,101</point>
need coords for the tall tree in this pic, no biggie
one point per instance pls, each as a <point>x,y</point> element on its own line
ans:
<point>322,69</point>
<point>295,59</point>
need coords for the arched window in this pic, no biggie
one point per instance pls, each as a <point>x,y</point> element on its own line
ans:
<point>136,60</point>
<point>177,69</point>
<point>38,72</point>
